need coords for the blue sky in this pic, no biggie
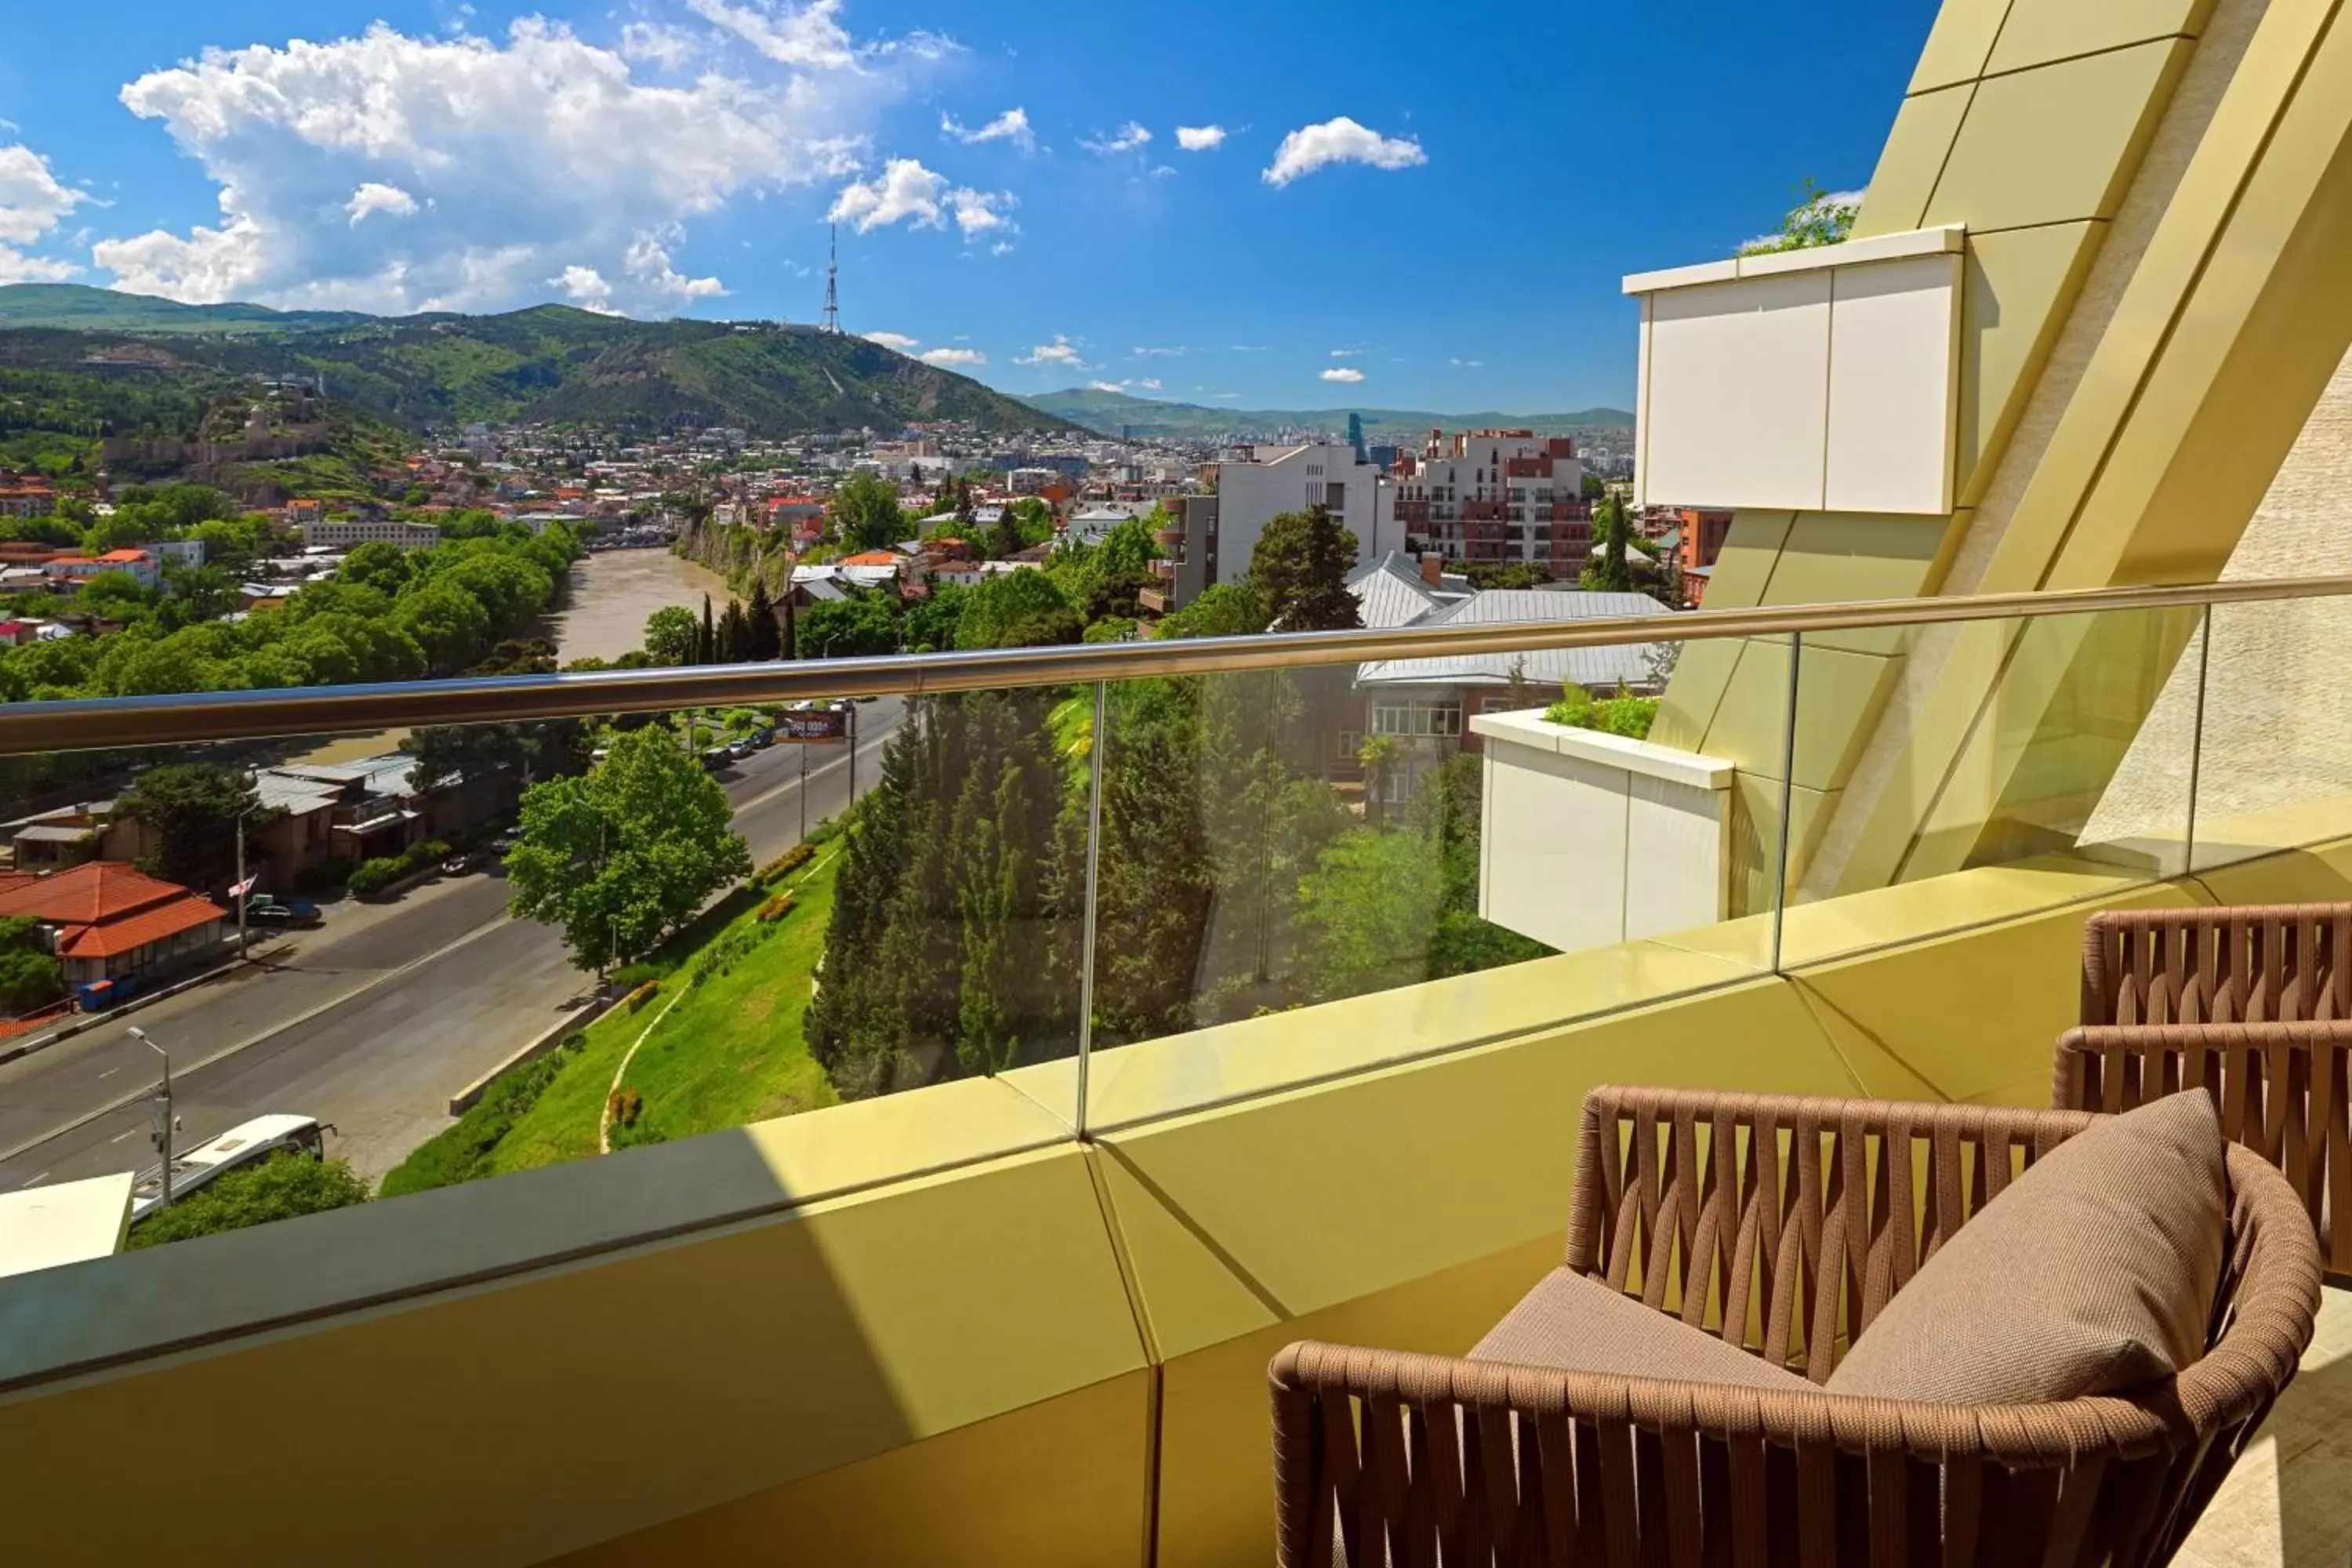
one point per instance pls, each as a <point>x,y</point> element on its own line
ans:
<point>1442,211</point>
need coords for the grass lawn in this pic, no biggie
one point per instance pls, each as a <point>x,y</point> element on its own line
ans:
<point>730,1051</point>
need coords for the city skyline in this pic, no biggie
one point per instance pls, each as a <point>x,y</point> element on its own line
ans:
<point>1042,197</point>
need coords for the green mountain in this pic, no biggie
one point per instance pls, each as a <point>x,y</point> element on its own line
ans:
<point>550,364</point>
<point>78,307</point>
<point>1109,411</point>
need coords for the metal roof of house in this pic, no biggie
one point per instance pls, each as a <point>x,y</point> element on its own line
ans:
<point>1595,669</point>
<point>1392,592</point>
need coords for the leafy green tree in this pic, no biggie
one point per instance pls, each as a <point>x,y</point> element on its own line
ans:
<point>866,514</point>
<point>1220,610</point>
<point>621,857</point>
<point>191,810</point>
<point>1820,218</point>
<point>378,563</point>
<point>1300,565</point>
<point>194,594</point>
<point>279,1188</point>
<point>843,628</point>
<point>117,596</point>
<point>1004,540</point>
<point>448,625</point>
<point>671,633</point>
<point>528,752</point>
<point>30,977</point>
<point>1016,609</point>
<point>1593,488</point>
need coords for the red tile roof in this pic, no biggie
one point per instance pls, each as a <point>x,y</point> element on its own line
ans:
<point>124,555</point>
<point>871,558</point>
<point>88,894</point>
<point>137,930</point>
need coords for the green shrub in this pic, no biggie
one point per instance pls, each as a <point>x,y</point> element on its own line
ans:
<point>374,876</point>
<point>623,1107</point>
<point>777,908</point>
<point>279,1188</point>
<point>432,852</point>
<point>785,864</point>
<point>1620,715</point>
<point>636,999</point>
<point>460,1151</point>
<point>629,976</point>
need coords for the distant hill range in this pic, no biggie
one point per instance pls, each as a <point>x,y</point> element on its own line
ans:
<point>548,363</point>
<point>1109,411</point>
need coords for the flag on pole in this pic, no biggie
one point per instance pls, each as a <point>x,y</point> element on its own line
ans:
<point>241,888</point>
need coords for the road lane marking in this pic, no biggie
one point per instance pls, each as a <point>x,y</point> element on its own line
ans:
<point>121,1136</point>
<point>111,1071</point>
<point>30,1180</point>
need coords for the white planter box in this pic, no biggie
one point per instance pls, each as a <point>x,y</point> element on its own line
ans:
<point>1591,838</point>
<point>1822,380</point>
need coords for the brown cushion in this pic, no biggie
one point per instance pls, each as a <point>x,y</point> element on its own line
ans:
<point>1578,1323</point>
<point>2093,1272</point>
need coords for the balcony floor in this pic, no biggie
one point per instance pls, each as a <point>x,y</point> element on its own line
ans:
<point>2288,1504</point>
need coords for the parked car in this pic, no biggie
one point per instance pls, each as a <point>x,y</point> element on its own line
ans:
<point>460,863</point>
<point>763,737</point>
<point>741,749</point>
<point>266,912</point>
<point>501,845</point>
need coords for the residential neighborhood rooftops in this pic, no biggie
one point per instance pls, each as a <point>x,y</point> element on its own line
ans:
<point>1390,592</point>
<point>1594,668</point>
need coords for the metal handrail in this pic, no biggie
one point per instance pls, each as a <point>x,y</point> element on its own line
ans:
<point>184,718</point>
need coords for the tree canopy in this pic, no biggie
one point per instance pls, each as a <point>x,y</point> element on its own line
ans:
<point>621,857</point>
<point>191,810</point>
<point>1300,567</point>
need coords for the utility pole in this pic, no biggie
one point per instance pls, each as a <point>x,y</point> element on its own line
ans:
<point>243,889</point>
<point>163,1133</point>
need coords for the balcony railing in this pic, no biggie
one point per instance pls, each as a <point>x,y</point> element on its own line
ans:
<point>1101,876</point>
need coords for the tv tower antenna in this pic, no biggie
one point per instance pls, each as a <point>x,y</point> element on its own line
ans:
<point>831,274</point>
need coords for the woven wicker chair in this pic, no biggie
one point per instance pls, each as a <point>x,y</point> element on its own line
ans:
<point>2255,1003</point>
<point>2284,1090</point>
<point>2259,963</point>
<point>1776,1211</point>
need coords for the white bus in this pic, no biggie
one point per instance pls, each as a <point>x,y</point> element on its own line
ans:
<point>255,1141</point>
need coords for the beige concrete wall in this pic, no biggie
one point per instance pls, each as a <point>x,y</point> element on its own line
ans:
<point>2278,711</point>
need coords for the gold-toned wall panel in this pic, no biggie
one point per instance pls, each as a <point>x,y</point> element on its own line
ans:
<point>1912,161</point>
<point>2039,32</point>
<point>1958,44</point>
<point>2055,144</point>
<point>2018,288</point>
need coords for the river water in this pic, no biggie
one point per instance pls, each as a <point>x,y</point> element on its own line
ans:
<point>612,592</point>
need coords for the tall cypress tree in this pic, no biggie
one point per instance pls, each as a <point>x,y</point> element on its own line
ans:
<point>706,648</point>
<point>766,640</point>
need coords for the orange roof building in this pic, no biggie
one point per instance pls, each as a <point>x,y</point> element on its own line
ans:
<point>110,921</point>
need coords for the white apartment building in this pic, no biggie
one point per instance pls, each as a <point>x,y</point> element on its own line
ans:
<point>344,533</point>
<point>1218,539</point>
<point>1497,495</point>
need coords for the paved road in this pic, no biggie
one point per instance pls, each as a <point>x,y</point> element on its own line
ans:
<point>371,1022</point>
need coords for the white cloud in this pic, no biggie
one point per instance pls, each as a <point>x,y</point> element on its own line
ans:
<point>586,288</point>
<point>1345,354</point>
<point>1142,383</point>
<point>1011,126</point>
<point>1340,140</point>
<point>648,261</point>
<point>1174,352</point>
<point>977,212</point>
<point>526,155</point>
<point>906,192</point>
<point>1226,397</point>
<point>655,43</point>
<point>1001,247</point>
<point>904,189</point>
<point>953,358</point>
<point>375,196</point>
<point>32,202</point>
<point>898,341</point>
<point>1106,386</point>
<point>1146,384</point>
<point>1200,138</point>
<point>1061,352</point>
<point>1346,374</point>
<point>1129,137</point>
<point>1249,348</point>
<point>790,35</point>
<point>1467,364</point>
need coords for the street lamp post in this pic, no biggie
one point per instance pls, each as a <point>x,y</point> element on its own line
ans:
<point>243,889</point>
<point>163,1133</point>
